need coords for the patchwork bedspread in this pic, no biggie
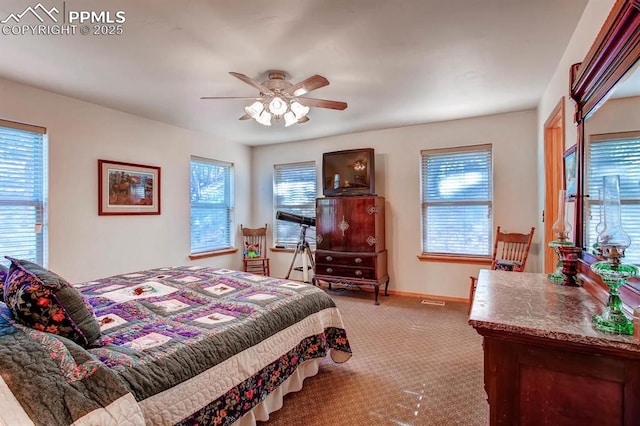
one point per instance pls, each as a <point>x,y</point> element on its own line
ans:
<point>185,344</point>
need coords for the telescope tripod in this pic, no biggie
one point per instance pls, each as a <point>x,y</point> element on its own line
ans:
<point>303,249</point>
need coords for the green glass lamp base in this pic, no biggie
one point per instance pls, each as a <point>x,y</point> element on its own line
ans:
<point>613,319</point>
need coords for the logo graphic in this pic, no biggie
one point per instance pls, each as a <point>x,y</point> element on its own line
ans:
<point>33,11</point>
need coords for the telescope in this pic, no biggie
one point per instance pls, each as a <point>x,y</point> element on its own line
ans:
<point>290,217</point>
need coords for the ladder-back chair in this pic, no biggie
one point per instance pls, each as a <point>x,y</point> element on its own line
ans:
<point>510,252</point>
<point>254,250</point>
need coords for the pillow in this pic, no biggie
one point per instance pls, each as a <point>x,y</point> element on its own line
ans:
<point>506,265</point>
<point>43,300</point>
<point>4,271</point>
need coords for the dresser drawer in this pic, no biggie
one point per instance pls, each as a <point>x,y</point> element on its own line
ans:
<point>358,261</point>
<point>346,271</point>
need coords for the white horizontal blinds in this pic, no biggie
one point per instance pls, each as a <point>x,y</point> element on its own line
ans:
<point>23,170</point>
<point>621,157</point>
<point>211,205</point>
<point>294,191</point>
<point>456,201</point>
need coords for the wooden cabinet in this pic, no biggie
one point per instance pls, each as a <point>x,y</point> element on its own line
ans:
<point>350,241</point>
<point>544,363</point>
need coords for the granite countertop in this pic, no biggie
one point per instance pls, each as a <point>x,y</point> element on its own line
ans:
<point>529,304</point>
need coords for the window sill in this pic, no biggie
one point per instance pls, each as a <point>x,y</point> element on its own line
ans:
<point>212,253</point>
<point>449,258</point>
<point>282,250</point>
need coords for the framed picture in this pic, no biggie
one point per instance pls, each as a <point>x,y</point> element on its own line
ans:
<point>126,188</point>
<point>570,174</point>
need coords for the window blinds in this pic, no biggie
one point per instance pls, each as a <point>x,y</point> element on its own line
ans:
<point>211,205</point>
<point>456,201</point>
<point>294,191</point>
<point>615,157</point>
<point>23,191</point>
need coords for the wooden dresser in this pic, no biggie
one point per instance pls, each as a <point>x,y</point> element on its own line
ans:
<point>544,363</point>
<point>350,241</point>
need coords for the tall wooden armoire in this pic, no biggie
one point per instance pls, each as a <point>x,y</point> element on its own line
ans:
<point>350,241</point>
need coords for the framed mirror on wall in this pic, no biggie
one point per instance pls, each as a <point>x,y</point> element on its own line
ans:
<point>606,91</point>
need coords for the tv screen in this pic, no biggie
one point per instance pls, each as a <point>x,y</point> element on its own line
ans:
<point>349,172</point>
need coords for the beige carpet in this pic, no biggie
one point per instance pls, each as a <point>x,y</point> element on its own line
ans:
<point>412,364</point>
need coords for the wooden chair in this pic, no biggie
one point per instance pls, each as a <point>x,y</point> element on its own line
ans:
<point>254,250</point>
<point>510,252</point>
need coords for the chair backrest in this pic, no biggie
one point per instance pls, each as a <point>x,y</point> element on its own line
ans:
<point>511,250</point>
<point>254,240</point>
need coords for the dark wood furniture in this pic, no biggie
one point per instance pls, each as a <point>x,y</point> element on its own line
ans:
<point>614,52</point>
<point>544,363</point>
<point>350,242</point>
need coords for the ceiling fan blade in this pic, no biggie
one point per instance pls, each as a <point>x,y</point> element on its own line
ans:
<point>305,86</point>
<point>245,117</point>
<point>251,82</point>
<point>231,97</point>
<point>303,120</point>
<point>322,103</point>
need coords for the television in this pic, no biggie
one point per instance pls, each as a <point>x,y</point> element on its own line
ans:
<point>349,172</point>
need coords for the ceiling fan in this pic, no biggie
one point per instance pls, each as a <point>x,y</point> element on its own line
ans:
<point>278,98</point>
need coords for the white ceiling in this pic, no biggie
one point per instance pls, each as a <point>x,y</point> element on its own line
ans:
<point>395,62</point>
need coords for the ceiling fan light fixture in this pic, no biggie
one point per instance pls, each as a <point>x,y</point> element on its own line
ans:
<point>290,119</point>
<point>278,106</point>
<point>299,110</point>
<point>254,109</point>
<point>264,118</point>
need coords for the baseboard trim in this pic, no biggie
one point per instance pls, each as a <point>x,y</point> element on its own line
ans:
<point>369,289</point>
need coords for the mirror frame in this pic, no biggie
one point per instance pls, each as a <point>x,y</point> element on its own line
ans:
<point>614,52</point>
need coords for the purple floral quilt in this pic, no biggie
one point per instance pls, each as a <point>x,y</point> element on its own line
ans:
<point>198,345</point>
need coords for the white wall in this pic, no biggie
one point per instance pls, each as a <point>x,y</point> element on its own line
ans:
<point>585,33</point>
<point>398,179</point>
<point>83,245</point>
<point>615,115</point>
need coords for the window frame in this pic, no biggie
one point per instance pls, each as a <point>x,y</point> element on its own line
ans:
<point>40,225</point>
<point>483,259</point>
<point>593,199</point>
<point>311,205</point>
<point>228,205</point>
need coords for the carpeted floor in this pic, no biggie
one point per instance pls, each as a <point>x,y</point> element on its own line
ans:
<point>412,364</point>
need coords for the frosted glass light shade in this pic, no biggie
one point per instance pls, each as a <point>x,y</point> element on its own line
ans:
<point>264,118</point>
<point>289,119</point>
<point>299,110</point>
<point>278,106</point>
<point>254,109</point>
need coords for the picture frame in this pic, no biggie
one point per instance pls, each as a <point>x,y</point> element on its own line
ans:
<point>128,188</point>
<point>569,170</point>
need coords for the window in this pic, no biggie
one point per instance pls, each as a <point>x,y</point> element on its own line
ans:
<point>211,205</point>
<point>23,192</point>
<point>456,201</point>
<point>615,155</point>
<point>294,191</point>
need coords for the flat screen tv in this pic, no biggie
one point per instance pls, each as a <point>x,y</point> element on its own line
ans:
<point>350,172</point>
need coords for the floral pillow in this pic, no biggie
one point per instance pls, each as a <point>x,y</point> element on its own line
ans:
<point>45,301</point>
<point>4,271</point>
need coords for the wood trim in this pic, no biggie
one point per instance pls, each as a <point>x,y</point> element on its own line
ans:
<point>472,260</point>
<point>613,53</point>
<point>212,253</point>
<point>282,250</point>
<point>554,143</point>
<point>464,300</point>
<point>21,126</point>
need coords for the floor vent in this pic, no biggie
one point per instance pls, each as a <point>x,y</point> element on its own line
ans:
<point>432,302</point>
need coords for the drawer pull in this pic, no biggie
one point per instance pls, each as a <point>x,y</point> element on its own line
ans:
<point>358,273</point>
<point>357,260</point>
<point>329,270</point>
<point>329,258</point>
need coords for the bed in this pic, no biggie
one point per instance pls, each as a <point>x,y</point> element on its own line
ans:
<point>176,345</point>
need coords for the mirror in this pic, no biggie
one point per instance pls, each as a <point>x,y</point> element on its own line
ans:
<point>603,87</point>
